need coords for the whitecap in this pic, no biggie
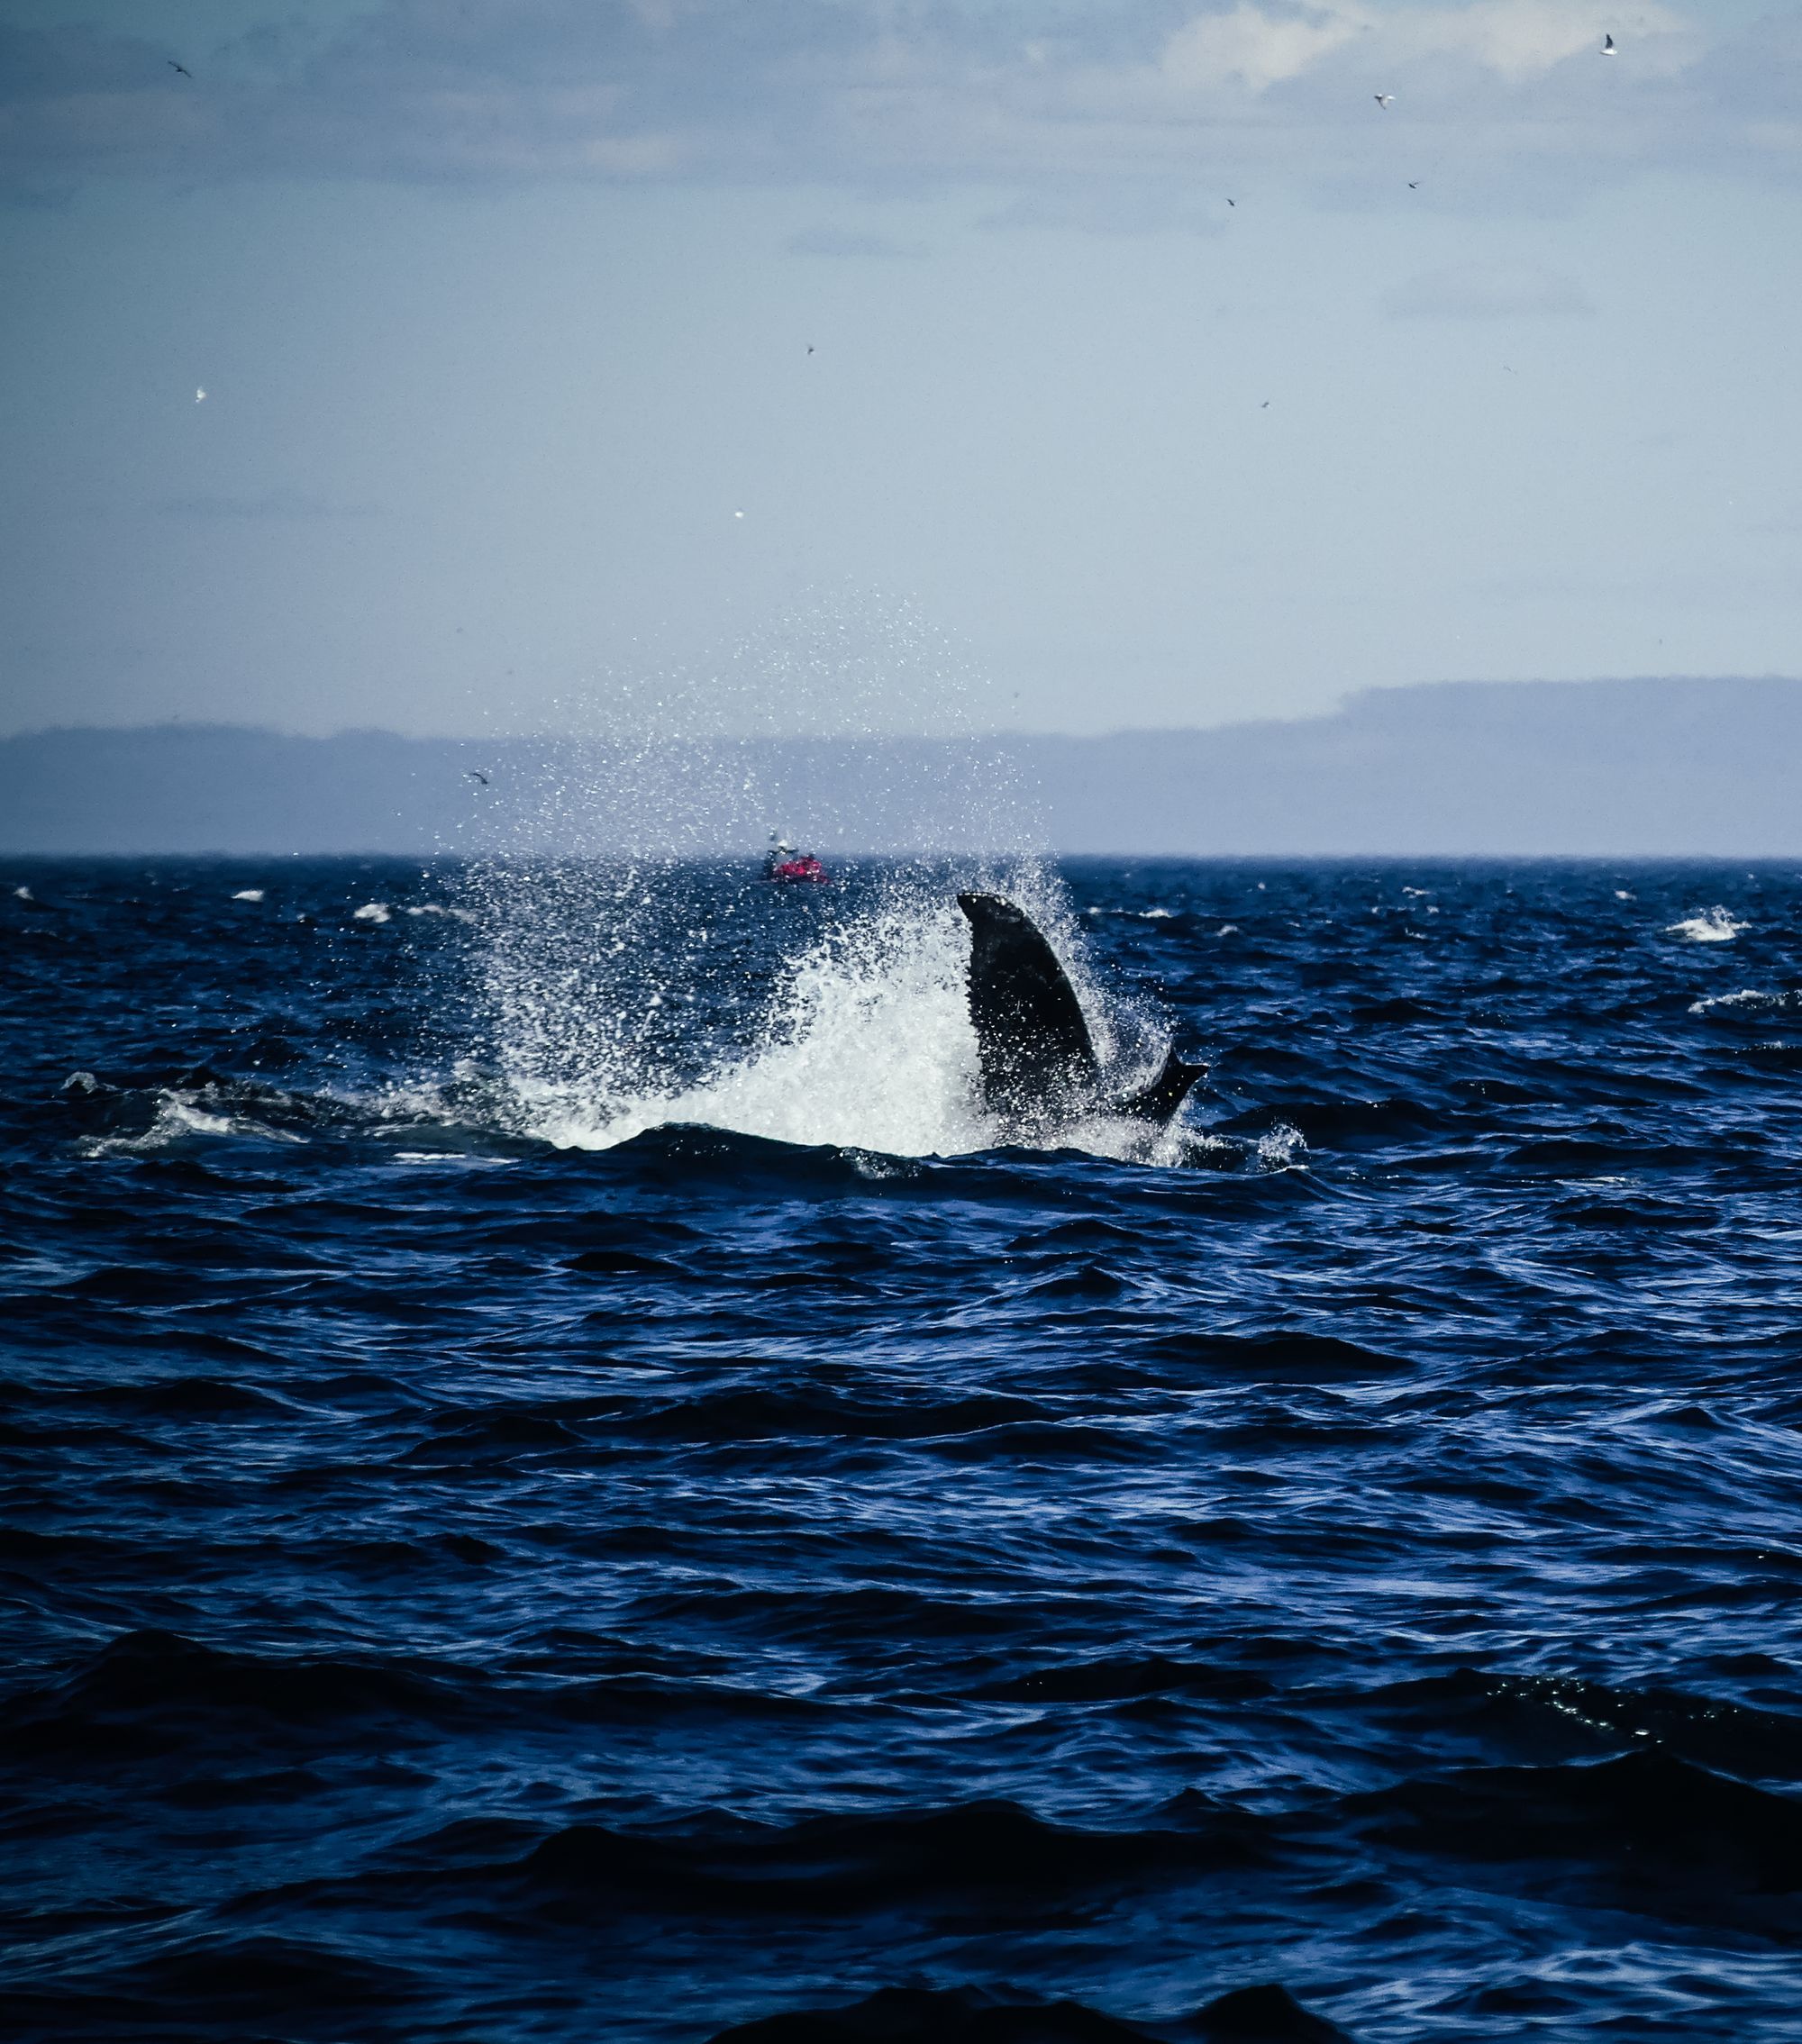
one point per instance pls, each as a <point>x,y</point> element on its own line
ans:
<point>1282,1148</point>
<point>1713,926</point>
<point>177,1116</point>
<point>1228,929</point>
<point>451,1157</point>
<point>23,895</point>
<point>1749,1000</point>
<point>371,912</point>
<point>248,895</point>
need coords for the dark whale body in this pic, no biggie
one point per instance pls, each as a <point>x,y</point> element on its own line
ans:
<point>1033,1048</point>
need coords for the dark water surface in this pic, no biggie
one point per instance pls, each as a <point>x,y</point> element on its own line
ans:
<point>458,1587</point>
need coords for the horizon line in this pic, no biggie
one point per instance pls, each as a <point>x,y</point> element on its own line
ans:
<point>179,722</point>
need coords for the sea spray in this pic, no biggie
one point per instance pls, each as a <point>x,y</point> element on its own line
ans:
<point>639,974</point>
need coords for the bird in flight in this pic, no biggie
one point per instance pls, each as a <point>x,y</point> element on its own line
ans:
<point>1383,98</point>
<point>1413,186</point>
<point>181,69</point>
<point>1608,48</point>
<point>810,347</point>
<point>200,397</point>
<point>1233,201</point>
<point>738,514</point>
<point>472,774</point>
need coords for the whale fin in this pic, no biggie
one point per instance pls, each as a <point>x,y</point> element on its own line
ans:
<point>1036,1058</point>
<point>1159,1099</point>
<point>1032,1044</point>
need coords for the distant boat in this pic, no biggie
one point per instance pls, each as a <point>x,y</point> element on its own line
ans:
<point>783,864</point>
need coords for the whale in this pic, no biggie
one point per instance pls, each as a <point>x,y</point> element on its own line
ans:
<point>1035,1057</point>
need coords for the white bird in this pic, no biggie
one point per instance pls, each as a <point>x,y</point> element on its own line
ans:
<point>738,514</point>
<point>1608,48</point>
<point>1383,98</point>
<point>200,397</point>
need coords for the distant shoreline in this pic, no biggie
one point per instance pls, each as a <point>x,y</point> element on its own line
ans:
<point>1649,770</point>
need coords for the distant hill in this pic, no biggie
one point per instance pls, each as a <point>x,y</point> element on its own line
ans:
<point>1607,768</point>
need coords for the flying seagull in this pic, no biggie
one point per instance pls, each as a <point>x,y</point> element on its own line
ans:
<point>738,514</point>
<point>472,775</point>
<point>182,68</point>
<point>810,347</point>
<point>1608,48</point>
<point>200,397</point>
<point>1233,201</point>
<point>1383,98</point>
<point>1413,186</point>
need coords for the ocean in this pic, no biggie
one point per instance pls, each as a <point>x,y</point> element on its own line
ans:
<point>558,1481</point>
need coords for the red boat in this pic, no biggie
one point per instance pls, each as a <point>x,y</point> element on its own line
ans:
<point>785,864</point>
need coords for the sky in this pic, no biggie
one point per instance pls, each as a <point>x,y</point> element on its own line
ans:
<point>1025,367</point>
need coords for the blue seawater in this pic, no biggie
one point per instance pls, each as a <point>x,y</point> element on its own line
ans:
<point>555,1483</point>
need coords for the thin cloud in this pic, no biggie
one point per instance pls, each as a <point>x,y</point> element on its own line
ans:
<point>859,92</point>
<point>1487,291</point>
<point>1257,47</point>
<point>843,242</point>
<point>278,504</point>
<point>1112,206</point>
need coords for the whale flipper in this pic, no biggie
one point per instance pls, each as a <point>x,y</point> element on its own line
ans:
<point>1032,1043</point>
<point>1033,1048</point>
<point>1159,1099</point>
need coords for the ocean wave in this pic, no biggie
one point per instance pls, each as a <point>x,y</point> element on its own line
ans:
<point>158,1690</point>
<point>836,1865</point>
<point>1278,1357</point>
<point>1575,1717</point>
<point>1747,1001</point>
<point>982,2015</point>
<point>644,1589</point>
<point>1716,925</point>
<point>1694,1838</point>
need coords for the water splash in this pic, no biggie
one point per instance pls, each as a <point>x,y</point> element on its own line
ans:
<point>671,984</point>
<point>691,1002</point>
<point>1282,1148</point>
<point>1712,926</point>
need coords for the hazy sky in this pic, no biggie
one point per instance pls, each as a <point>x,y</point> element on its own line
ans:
<point>1160,374</point>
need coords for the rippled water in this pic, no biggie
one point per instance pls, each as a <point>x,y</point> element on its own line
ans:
<point>555,1487</point>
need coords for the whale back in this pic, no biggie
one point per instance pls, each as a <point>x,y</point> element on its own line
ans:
<point>1033,1045</point>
